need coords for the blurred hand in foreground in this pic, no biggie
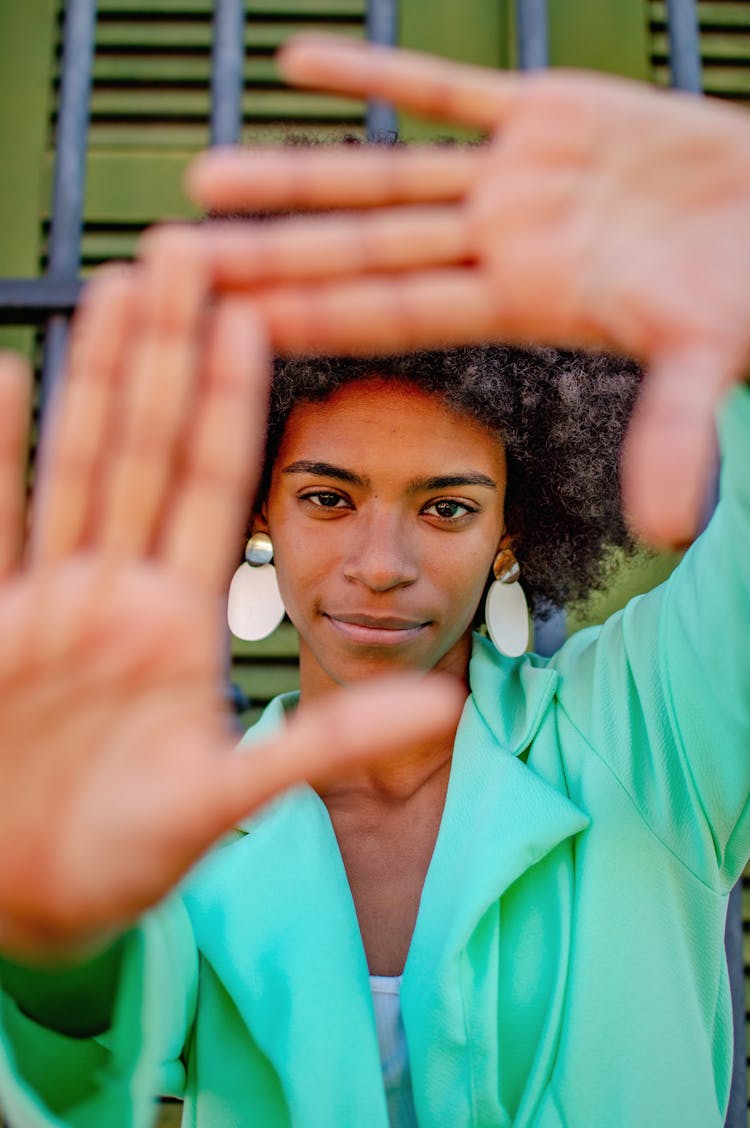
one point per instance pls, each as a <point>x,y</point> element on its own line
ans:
<point>117,757</point>
<point>602,213</point>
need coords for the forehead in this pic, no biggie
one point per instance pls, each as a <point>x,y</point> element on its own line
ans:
<point>391,422</point>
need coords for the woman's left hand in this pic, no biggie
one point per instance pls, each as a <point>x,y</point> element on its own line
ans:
<point>602,213</point>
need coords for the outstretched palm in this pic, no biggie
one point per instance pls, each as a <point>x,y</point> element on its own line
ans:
<point>601,212</point>
<point>116,755</point>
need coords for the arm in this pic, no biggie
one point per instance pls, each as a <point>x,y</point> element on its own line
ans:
<point>117,759</point>
<point>50,1075</point>
<point>662,691</point>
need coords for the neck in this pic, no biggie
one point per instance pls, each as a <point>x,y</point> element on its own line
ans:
<point>396,778</point>
<point>390,781</point>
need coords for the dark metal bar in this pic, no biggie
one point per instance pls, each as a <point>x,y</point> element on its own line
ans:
<point>227,86</point>
<point>31,301</point>
<point>532,29</point>
<point>55,348</point>
<point>238,700</point>
<point>684,45</point>
<point>737,1110</point>
<point>549,634</point>
<point>532,40</point>
<point>70,169</point>
<point>227,72</point>
<point>382,27</point>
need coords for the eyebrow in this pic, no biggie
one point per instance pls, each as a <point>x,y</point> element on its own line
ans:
<point>448,481</point>
<point>438,482</point>
<point>326,470</point>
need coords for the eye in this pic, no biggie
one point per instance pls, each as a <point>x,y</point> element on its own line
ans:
<point>326,499</point>
<point>449,509</point>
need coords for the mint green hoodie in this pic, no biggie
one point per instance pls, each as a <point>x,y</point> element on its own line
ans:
<point>566,968</point>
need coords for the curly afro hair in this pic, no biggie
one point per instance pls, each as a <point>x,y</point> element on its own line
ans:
<point>562,417</point>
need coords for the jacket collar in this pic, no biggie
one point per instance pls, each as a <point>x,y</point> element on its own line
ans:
<point>510,694</point>
<point>501,820</point>
<point>294,935</point>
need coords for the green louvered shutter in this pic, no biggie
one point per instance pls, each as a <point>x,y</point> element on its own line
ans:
<point>150,103</point>
<point>725,47</point>
<point>150,114</point>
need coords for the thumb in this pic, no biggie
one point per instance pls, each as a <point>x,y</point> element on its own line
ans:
<point>351,726</point>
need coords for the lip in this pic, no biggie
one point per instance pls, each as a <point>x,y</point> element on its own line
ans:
<point>376,630</point>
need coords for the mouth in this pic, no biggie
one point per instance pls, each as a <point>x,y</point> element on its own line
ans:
<point>376,630</point>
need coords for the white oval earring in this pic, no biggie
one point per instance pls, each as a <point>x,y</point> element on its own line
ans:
<point>254,604</point>
<point>506,611</point>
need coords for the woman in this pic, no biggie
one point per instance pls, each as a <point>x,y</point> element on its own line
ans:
<point>499,871</point>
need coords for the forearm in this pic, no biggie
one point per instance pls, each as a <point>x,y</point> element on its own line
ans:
<point>140,993</point>
<point>662,691</point>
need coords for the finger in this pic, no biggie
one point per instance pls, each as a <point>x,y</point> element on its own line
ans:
<point>413,81</point>
<point>157,391</point>
<point>347,728</point>
<point>15,406</point>
<point>241,255</point>
<point>669,453</point>
<point>389,313</point>
<point>223,448</point>
<point>318,177</point>
<point>76,430</point>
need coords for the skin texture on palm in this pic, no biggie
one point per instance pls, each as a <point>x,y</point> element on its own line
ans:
<point>601,213</point>
<point>118,759</point>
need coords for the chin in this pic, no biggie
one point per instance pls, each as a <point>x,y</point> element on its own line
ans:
<point>363,669</point>
<point>356,668</point>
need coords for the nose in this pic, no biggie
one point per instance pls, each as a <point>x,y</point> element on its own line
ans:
<point>381,556</point>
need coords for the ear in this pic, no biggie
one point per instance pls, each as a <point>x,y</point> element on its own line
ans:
<point>259,520</point>
<point>505,566</point>
<point>507,540</point>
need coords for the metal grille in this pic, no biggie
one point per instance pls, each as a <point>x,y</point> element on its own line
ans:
<point>723,27</point>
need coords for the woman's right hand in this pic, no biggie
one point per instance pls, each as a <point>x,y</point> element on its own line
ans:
<point>117,756</point>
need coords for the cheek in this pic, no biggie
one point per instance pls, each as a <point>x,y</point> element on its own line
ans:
<point>474,597</point>
<point>459,587</point>
<point>301,570</point>
<point>470,566</point>
<point>477,585</point>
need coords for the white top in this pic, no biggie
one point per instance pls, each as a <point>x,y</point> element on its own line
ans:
<point>394,1053</point>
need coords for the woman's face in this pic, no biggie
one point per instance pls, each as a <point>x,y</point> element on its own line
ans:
<point>385,510</point>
